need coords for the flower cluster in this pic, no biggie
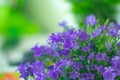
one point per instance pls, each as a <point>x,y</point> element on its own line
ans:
<point>89,54</point>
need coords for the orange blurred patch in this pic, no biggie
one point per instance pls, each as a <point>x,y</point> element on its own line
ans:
<point>10,76</point>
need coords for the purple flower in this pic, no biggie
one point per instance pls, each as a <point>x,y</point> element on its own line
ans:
<point>101,56</point>
<point>36,51</point>
<point>24,70</point>
<point>56,38</point>
<point>101,69</point>
<point>38,69</point>
<point>82,76</point>
<point>75,46</point>
<point>83,36</point>
<point>67,63</point>
<point>90,20</point>
<point>74,75</point>
<point>113,32</point>
<point>91,56</point>
<point>93,67</point>
<point>56,71</point>
<point>63,24</point>
<point>65,52</point>
<point>42,50</point>
<point>79,32</point>
<point>69,40</point>
<point>85,48</point>
<point>116,25</point>
<point>39,50</point>
<point>116,64</point>
<point>39,78</point>
<point>68,44</point>
<point>71,34</point>
<point>64,40</point>
<point>77,65</point>
<point>82,57</point>
<point>89,76</point>
<point>109,74</point>
<point>53,74</point>
<point>97,32</point>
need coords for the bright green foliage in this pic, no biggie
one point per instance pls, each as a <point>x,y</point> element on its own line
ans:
<point>15,23</point>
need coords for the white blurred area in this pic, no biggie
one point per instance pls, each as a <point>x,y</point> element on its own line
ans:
<point>3,2</point>
<point>45,12</point>
<point>50,12</point>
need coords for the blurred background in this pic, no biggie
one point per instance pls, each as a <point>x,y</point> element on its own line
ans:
<point>24,23</point>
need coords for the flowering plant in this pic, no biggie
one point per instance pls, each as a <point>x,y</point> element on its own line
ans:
<point>89,54</point>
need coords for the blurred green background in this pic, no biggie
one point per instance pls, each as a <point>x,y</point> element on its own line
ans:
<point>102,9</point>
<point>24,23</point>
